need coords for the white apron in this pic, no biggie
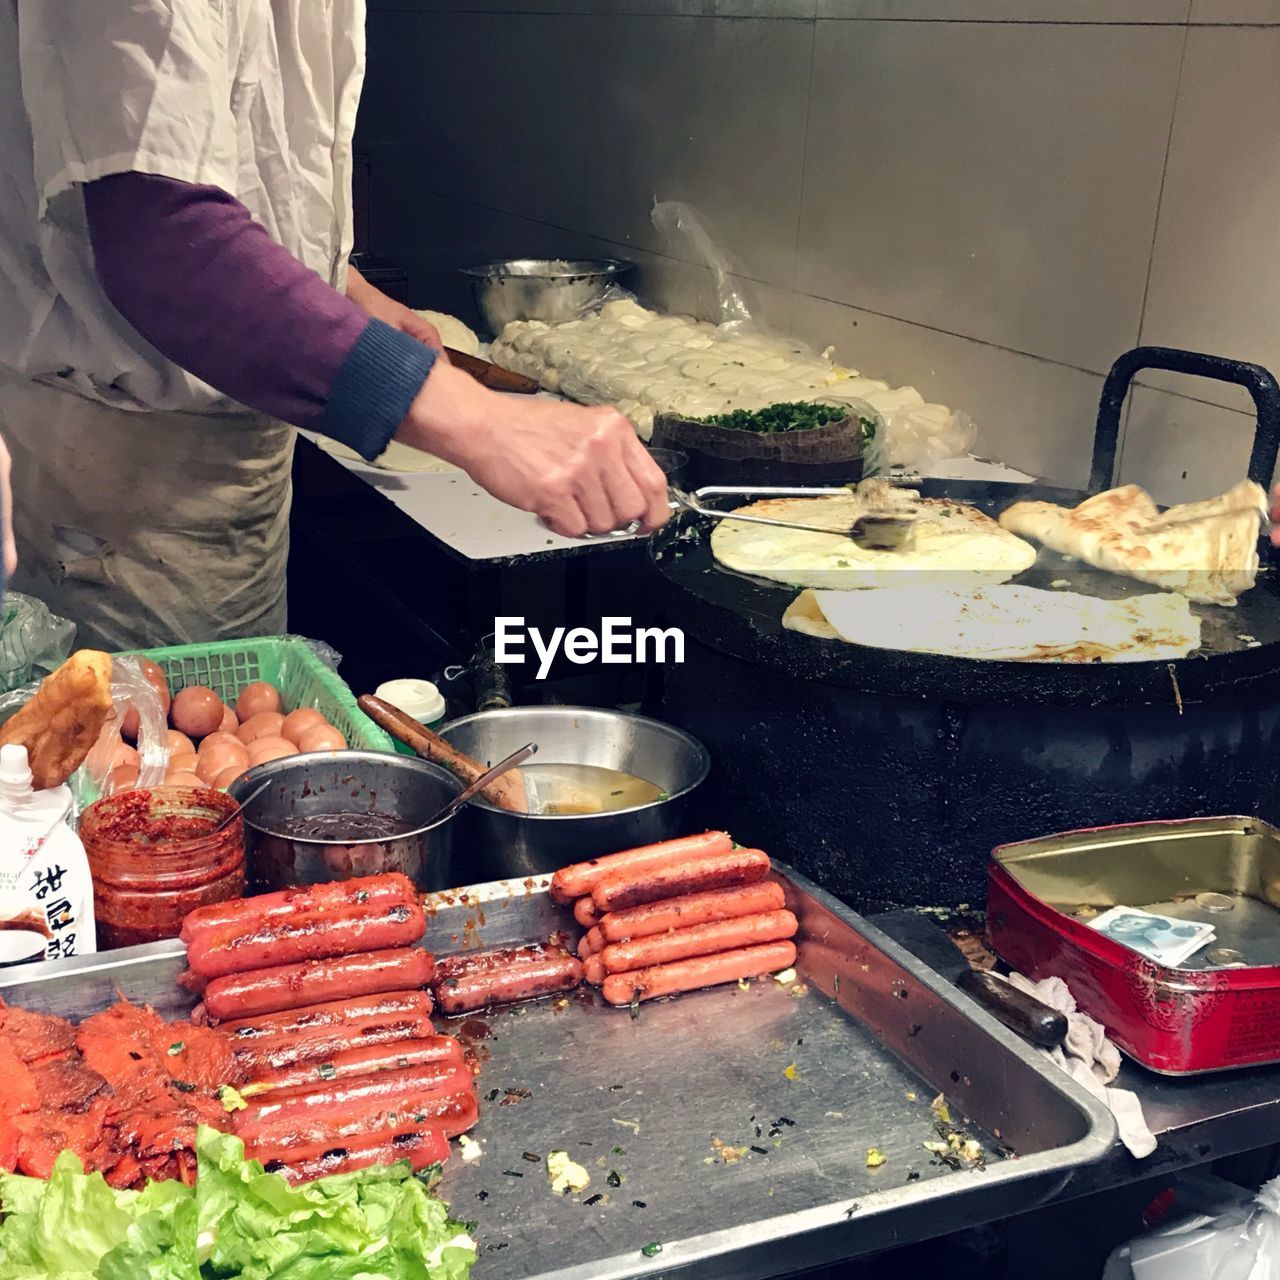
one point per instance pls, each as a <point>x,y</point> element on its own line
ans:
<point>149,508</point>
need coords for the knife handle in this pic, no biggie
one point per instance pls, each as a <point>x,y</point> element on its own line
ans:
<point>491,375</point>
<point>1030,1018</point>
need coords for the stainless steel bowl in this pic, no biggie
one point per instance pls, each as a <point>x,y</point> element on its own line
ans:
<point>548,289</point>
<point>510,846</point>
<point>361,785</point>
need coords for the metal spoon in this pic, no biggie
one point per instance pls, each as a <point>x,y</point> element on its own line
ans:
<point>240,808</point>
<point>503,766</point>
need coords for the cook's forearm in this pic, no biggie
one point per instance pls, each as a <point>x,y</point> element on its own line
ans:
<point>205,284</point>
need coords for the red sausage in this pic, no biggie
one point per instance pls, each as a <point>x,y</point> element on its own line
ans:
<point>703,971</point>
<point>702,940</point>
<point>593,971</point>
<point>235,948</point>
<point>524,981</point>
<point>722,871</point>
<point>318,1102</point>
<point>397,1056</point>
<point>292,986</point>
<point>581,879</point>
<point>450,1113</point>
<point>692,909</point>
<point>335,1014</point>
<point>584,948</point>
<point>275,1052</point>
<point>381,890</point>
<point>585,913</point>
<point>421,1148</point>
<point>467,964</point>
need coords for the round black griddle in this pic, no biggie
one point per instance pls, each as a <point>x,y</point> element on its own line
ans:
<point>1240,646</point>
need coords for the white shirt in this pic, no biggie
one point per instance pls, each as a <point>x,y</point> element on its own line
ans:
<point>257,97</point>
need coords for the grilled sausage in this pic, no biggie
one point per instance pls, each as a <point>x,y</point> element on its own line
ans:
<point>470,963</point>
<point>337,1099</point>
<point>593,971</point>
<point>703,971</point>
<point>555,972</point>
<point>364,1061</point>
<point>334,1014</point>
<point>450,1113</point>
<point>294,986</point>
<point>291,939</point>
<point>722,871</point>
<point>692,909</point>
<point>702,940</point>
<point>580,880</point>
<point>421,1147</point>
<point>585,913</point>
<point>257,1057</point>
<point>380,890</point>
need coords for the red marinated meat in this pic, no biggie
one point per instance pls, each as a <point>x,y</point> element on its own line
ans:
<point>46,1133</point>
<point>68,1084</point>
<point>37,1036</point>
<point>20,1092</point>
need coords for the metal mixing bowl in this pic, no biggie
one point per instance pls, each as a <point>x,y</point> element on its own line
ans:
<point>501,845</point>
<point>548,289</point>
<point>354,783</point>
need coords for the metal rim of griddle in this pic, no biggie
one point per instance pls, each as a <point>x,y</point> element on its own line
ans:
<point>741,616</point>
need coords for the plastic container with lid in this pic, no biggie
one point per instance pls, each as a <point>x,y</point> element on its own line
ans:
<point>46,894</point>
<point>155,857</point>
<point>417,698</point>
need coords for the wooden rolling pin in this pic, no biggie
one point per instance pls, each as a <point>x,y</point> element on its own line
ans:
<point>491,375</point>
<point>506,792</point>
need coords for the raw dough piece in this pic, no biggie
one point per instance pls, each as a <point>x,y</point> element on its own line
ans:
<point>1206,551</point>
<point>453,333</point>
<point>953,545</point>
<point>1002,623</point>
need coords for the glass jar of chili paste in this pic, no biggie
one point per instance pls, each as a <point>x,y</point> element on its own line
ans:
<point>155,855</point>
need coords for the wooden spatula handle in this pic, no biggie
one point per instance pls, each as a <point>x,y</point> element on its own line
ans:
<point>507,792</point>
<point>491,375</point>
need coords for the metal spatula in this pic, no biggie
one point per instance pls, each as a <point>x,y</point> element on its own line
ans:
<point>888,530</point>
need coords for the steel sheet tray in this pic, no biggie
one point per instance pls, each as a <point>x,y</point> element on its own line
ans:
<point>805,1076</point>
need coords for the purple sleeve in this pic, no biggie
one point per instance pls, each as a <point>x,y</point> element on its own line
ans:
<point>189,268</point>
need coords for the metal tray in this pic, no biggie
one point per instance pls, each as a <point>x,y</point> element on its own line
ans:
<point>871,1033</point>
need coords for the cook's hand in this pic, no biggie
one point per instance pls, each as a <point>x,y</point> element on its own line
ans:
<point>581,470</point>
<point>1275,516</point>
<point>10,549</point>
<point>370,298</point>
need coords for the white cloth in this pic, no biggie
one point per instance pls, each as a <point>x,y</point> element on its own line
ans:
<point>257,97</point>
<point>1091,1060</point>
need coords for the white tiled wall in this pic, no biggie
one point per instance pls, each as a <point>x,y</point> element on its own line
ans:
<point>990,199</point>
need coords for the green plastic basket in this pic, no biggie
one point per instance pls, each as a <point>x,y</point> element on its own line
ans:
<point>287,663</point>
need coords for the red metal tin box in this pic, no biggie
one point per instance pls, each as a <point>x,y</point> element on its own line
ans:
<point>1218,1009</point>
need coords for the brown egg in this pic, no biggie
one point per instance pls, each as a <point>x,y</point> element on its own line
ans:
<point>323,737</point>
<point>270,748</point>
<point>296,723</point>
<point>180,744</point>
<point>226,778</point>
<point>124,755</point>
<point>183,762</point>
<point>219,735</point>
<point>221,756</point>
<point>265,725</point>
<point>257,698</point>
<point>124,777</point>
<point>230,721</point>
<point>181,779</point>
<point>196,711</point>
<point>156,678</point>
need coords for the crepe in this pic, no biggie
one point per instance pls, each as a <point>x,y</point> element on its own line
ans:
<point>953,545</point>
<point>1206,551</point>
<point>395,457</point>
<point>1002,623</point>
<point>453,333</point>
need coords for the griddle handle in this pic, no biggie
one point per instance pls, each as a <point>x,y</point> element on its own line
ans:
<point>1030,1018</point>
<point>1260,384</point>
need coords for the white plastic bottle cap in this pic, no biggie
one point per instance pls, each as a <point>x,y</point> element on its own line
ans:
<point>15,769</point>
<point>417,698</point>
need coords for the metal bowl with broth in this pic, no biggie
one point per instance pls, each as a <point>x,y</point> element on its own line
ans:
<point>335,815</point>
<point>549,289</point>
<point>603,780</point>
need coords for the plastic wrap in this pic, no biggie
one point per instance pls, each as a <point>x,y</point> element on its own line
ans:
<point>687,238</point>
<point>33,641</point>
<point>129,688</point>
<point>1254,1251</point>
